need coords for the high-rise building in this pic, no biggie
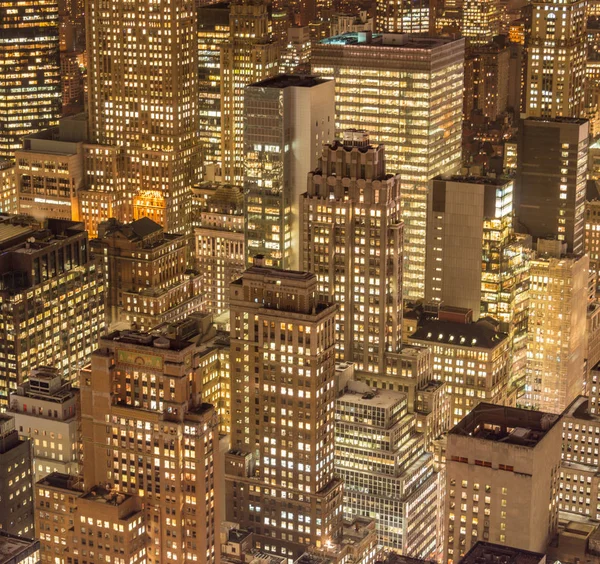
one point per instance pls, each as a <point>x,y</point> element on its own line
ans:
<point>352,241</point>
<point>487,80</point>
<point>52,296</point>
<point>591,244</point>
<point>551,179</point>
<point>471,357</point>
<point>8,187</point>
<point>45,410</point>
<point>386,471</point>
<point>469,223</point>
<point>220,242</point>
<point>295,57</point>
<point>143,396</point>
<point>287,119</point>
<point>481,21</point>
<point>49,170</point>
<point>403,16</point>
<point>30,88</point>
<point>149,281</point>
<point>502,474</point>
<point>557,327</point>
<point>555,43</point>
<point>143,102</point>
<point>421,129</point>
<point>213,31</point>
<point>93,525</point>
<point>249,55</point>
<point>279,473</point>
<point>16,481</point>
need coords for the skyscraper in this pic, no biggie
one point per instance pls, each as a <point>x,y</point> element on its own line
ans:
<point>409,91</point>
<point>555,43</point>
<point>469,222</point>
<point>481,21</point>
<point>249,55</point>
<point>279,473</point>
<point>30,87</point>
<point>52,298</point>
<point>502,469</point>
<point>287,119</point>
<point>404,16</point>
<point>556,345</point>
<point>352,241</point>
<point>551,179</point>
<point>143,100</point>
<point>143,395</point>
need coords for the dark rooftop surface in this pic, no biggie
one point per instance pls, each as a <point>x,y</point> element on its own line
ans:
<point>13,546</point>
<point>563,119</point>
<point>391,40</point>
<point>286,80</point>
<point>61,481</point>
<point>510,425</point>
<point>486,180</point>
<point>489,552</point>
<point>147,340</point>
<point>478,335</point>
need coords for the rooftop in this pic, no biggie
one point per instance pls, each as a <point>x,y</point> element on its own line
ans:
<point>61,481</point>
<point>392,40</point>
<point>560,119</point>
<point>479,335</point>
<point>509,425</point>
<point>287,80</point>
<point>102,495</point>
<point>147,340</point>
<point>472,179</point>
<point>487,552</point>
<point>11,546</point>
<point>384,399</point>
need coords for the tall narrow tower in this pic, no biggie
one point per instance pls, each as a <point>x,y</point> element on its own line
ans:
<point>143,100</point>
<point>555,40</point>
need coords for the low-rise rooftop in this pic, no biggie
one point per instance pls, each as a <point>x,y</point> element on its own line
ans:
<point>287,80</point>
<point>484,552</point>
<point>479,334</point>
<point>14,549</point>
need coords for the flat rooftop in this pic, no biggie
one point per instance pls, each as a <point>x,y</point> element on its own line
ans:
<point>287,80</point>
<point>579,409</point>
<point>147,340</point>
<point>509,425</point>
<point>392,40</point>
<point>384,399</point>
<point>561,119</point>
<point>489,552</point>
<point>100,494</point>
<point>480,334</point>
<point>485,180</point>
<point>11,546</point>
<point>60,481</point>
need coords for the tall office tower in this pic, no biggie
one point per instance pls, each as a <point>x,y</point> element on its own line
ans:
<point>386,470</point>
<point>143,394</point>
<point>49,169</point>
<point>472,358</point>
<point>369,73</point>
<point>469,223</point>
<point>249,55</point>
<point>219,238</point>
<point>557,327</point>
<point>579,480</point>
<point>148,278</point>
<point>16,481</point>
<point>279,473</point>
<point>52,297</point>
<point>287,119</point>
<point>295,57</point>
<point>591,244</point>
<point>352,241</point>
<point>481,21</point>
<point>30,88</point>
<point>502,472</point>
<point>45,412</point>
<point>403,16</point>
<point>551,179</point>
<point>213,31</point>
<point>8,187</point>
<point>143,101</point>
<point>97,525</point>
<point>555,44</point>
<point>487,80</point>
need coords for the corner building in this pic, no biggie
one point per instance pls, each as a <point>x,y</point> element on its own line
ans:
<point>409,90</point>
<point>146,432</point>
<point>279,473</point>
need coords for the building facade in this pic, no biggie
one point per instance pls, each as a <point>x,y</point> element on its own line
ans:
<point>162,440</point>
<point>370,71</point>
<point>30,84</point>
<point>352,240</point>
<point>279,473</point>
<point>480,21</point>
<point>287,119</point>
<point>148,274</point>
